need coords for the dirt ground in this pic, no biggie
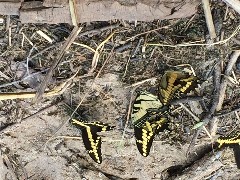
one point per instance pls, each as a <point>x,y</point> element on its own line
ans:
<point>37,140</point>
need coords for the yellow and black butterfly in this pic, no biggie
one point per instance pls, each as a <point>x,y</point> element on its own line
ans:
<point>144,135</point>
<point>175,82</point>
<point>145,105</point>
<point>232,141</point>
<point>91,140</point>
<point>148,120</point>
<point>149,110</point>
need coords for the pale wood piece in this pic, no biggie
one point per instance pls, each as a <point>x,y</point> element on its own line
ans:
<point>98,11</point>
<point>57,11</point>
<point>10,7</point>
<point>235,4</point>
<point>209,20</point>
<point>56,3</point>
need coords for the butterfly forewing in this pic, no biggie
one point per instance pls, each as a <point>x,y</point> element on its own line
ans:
<point>91,140</point>
<point>175,82</point>
<point>144,135</point>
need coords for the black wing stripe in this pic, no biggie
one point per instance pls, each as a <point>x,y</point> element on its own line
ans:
<point>91,140</point>
<point>145,135</point>
<point>173,82</point>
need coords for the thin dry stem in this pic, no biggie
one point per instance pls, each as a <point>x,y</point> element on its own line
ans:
<point>128,115</point>
<point>147,32</point>
<point>235,32</point>
<point>73,11</point>
<point>209,20</point>
<point>142,82</point>
<point>64,48</point>
<point>79,104</point>
<point>235,4</point>
<point>223,85</point>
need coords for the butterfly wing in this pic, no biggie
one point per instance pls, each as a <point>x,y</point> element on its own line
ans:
<point>144,135</point>
<point>174,82</point>
<point>232,141</point>
<point>145,104</point>
<point>92,143</point>
<point>144,138</point>
<point>91,140</point>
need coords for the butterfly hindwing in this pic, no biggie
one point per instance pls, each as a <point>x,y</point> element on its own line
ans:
<point>144,135</point>
<point>91,140</point>
<point>230,140</point>
<point>174,82</point>
<point>144,138</point>
<point>233,141</point>
<point>145,105</point>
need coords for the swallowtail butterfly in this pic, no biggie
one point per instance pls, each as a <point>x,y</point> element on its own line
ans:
<point>91,140</point>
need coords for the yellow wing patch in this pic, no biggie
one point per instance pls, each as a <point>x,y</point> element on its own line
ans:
<point>145,105</point>
<point>229,140</point>
<point>233,141</point>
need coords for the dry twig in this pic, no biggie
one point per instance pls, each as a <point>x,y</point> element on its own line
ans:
<point>224,80</point>
<point>64,48</point>
<point>208,117</point>
<point>73,11</point>
<point>235,4</point>
<point>128,115</point>
<point>142,82</point>
<point>218,97</point>
<point>209,20</point>
<point>97,53</point>
<point>235,32</point>
<point>222,90</point>
<point>25,95</point>
<point>98,31</point>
